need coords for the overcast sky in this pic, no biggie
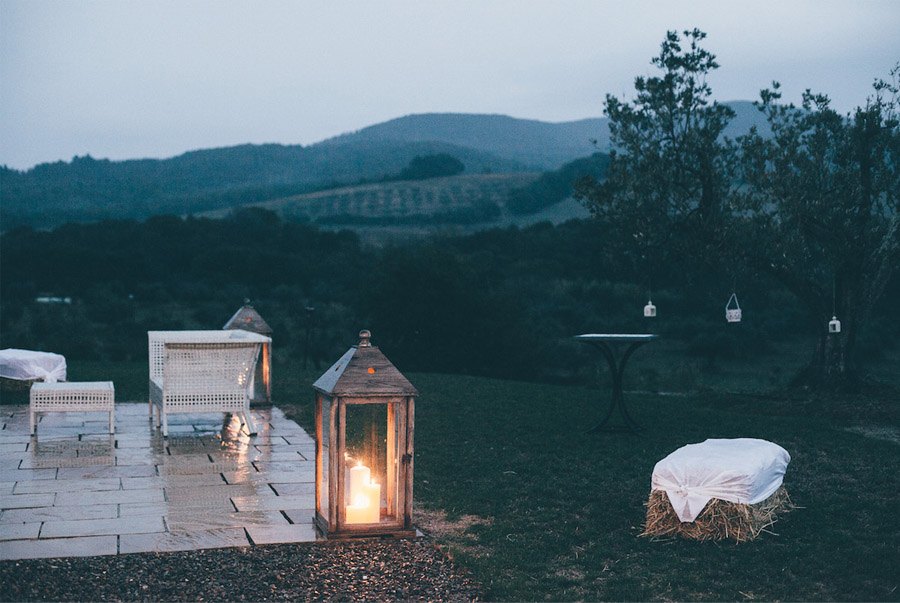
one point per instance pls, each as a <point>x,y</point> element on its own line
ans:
<point>128,79</point>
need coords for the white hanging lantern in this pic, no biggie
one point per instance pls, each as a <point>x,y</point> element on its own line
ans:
<point>733,314</point>
<point>649,310</point>
<point>834,325</point>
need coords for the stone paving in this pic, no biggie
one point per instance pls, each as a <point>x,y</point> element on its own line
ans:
<point>75,490</point>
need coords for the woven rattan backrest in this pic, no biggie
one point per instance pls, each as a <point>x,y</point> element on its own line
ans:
<point>208,366</point>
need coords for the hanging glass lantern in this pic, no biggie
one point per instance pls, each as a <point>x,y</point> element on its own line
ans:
<point>834,325</point>
<point>649,310</point>
<point>733,312</point>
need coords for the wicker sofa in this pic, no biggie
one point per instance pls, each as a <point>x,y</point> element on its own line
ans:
<point>202,372</point>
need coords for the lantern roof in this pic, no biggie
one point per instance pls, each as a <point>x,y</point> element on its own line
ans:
<point>364,371</point>
<point>248,319</point>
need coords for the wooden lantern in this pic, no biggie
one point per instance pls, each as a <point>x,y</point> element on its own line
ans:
<point>248,319</point>
<point>364,446</point>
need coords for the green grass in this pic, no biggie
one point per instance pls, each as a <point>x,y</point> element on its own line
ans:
<point>556,512</point>
<point>559,510</point>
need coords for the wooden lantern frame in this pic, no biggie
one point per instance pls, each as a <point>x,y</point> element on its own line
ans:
<point>364,376</point>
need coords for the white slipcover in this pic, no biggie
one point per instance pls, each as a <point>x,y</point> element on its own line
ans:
<point>742,470</point>
<point>26,365</point>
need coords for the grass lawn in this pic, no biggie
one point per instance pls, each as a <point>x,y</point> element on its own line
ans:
<point>537,509</point>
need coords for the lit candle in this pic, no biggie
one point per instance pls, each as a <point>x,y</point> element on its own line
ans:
<point>359,479</point>
<point>365,497</point>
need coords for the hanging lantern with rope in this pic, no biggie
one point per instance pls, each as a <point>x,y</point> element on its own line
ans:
<point>733,313</point>
<point>834,325</point>
<point>649,309</point>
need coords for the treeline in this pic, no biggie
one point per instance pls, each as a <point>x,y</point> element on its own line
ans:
<point>88,189</point>
<point>554,186</point>
<point>501,302</point>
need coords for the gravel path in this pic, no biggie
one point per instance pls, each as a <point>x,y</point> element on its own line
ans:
<point>371,570</point>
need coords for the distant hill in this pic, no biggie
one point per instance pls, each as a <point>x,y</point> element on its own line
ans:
<point>536,144</point>
<point>88,189</point>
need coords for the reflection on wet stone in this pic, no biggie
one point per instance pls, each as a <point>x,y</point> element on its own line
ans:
<point>206,486</point>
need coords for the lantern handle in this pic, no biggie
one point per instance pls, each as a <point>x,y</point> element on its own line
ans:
<point>733,298</point>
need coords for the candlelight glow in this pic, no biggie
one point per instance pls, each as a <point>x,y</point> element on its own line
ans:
<point>365,496</point>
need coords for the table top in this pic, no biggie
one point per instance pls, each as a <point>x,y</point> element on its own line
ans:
<point>211,336</point>
<point>77,386</point>
<point>591,337</point>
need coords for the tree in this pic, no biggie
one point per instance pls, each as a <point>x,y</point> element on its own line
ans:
<point>816,200</point>
<point>821,213</point>
<point>423,167</point>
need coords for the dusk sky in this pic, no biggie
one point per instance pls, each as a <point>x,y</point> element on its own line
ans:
<point>130,79</point>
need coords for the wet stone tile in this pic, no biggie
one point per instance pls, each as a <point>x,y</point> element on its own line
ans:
<point>199,468</point>
<point>295,489</point>
<point>17,475</point>
<point>20,531</point>
<point>24,501</point>
<point>281,534</point>
<point>141,509</point>
<point>101,527</point>
<point>68,485</point>
<point>155,444</point>
<point>188,522</point>
<point>300,464</point>
<point>151,483</point>
<point>183,541</point>
<point>118,496</point>
<point>10,437</point>
<point>245,476</point>
<point>59,514</point>
<point>202,493</point>
<point>59,547</point>
<point>137,460</point>
<point>114,471</point>
<point>275,503</point>
<point>44,462</point>
<point>172,481</point>
<point>300,516</point>
<point>298,438</point>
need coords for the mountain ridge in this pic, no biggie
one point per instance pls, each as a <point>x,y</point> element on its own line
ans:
<point>88,189</point>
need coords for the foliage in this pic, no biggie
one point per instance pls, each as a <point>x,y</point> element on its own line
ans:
<point>553,187</point>
<point>818,198</point>
<point>501,302</point>
<point>820,209</point>
<point>423,167</point>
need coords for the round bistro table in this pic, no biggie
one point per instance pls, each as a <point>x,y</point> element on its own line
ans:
<point>609,344</point>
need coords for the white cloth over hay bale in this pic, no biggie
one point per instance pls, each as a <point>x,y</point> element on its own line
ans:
<point>718,489</point>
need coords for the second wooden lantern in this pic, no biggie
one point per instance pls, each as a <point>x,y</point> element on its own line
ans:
<point>364,446</point>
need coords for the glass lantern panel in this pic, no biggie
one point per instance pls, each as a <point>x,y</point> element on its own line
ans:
<point>370,468</point>
<point>325,455</point>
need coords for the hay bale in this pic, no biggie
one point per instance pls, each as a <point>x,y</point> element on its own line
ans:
<point>719,520</point>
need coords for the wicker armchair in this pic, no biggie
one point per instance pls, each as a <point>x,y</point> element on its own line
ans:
<point>201,377</point>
